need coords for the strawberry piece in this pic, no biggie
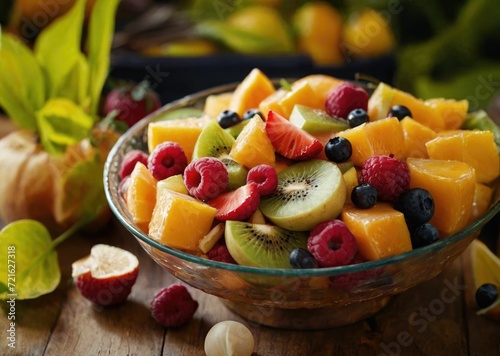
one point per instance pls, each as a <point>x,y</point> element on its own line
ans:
<point>343,99</point>
<point>289,140</point>
<point>237,204</point>
<point>173,306</point>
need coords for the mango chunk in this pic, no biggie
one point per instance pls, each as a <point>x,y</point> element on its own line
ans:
<point>254,88</point>
<point>452,185</point>
<point>301,94</point>
<point>180,221</point>
<point>272,102</point>
<point>482,198</point>
<point>380,231</point>
<point>217,103</point>
<point>141,196</point>
<point>452,111</point>
<point>416,136</point>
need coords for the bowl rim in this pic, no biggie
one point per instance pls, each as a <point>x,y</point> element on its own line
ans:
<point>120,211</point>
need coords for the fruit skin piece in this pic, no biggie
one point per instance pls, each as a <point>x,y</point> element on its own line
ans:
<point>290,141</point>
<point>206,177</point>
<point>452,185</point>
<point>106,276</point>
<point>141,196</point>
<point>254,88</point>
<point>265,177</point>
<point>477,148</point>
<point>216,103</point>
<point>380,231</point>
<point>308,193</point>
<point>316,121</point>
<point>167,159</point>
<point>180,221</point>
<point>252,146</point>
<point>129,161</point>
<point>342,99</point>
<point>262,245</point>
<point>173,306</point>
<point>237,204</point>
<point>416,136</point>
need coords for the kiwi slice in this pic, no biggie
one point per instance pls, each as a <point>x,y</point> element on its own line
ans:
<point>308,193</point>
<point>316,121</point>
<point>214,141</point>
<point>261,245</point>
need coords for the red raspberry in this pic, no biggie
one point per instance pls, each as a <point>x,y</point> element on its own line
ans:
<point>173,306</point>
<point>219,252</point>
<point>206,178</point>
<point>350,280</point>
<point>265,177</point>
<point>388,175</point>
<point>166,160</point>
<point>237,204</point>
<point>342,99</point>
<point>332,244</point>
<point>129,161</point>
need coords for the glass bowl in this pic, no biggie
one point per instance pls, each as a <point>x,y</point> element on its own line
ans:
<point>304,299</point>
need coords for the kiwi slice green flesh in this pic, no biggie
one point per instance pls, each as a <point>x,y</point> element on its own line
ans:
<point>316,121</point>
<point>262,245</point>
<point>308,193</point>
<point>236,129</point>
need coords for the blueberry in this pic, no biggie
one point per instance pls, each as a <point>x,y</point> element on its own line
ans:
<point>338,149</point>
<point>400,112</point>
<point>417,205</point>
<point>423,235</point>
<point>228,118</point>
<point>486,295</point>
<point>364,196</point>
<point>357,117</point>
<point>301,258</point>
<point>251,113</point>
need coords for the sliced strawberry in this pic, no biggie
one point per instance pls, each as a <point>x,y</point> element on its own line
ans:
<point>289,140</point>
<point>237,204</point>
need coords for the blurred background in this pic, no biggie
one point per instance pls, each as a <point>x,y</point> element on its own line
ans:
<point>449,48</point>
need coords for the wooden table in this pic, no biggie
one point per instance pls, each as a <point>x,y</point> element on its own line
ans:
<point>64,323</point>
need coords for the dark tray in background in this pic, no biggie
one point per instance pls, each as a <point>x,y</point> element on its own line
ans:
<point>174,78</point>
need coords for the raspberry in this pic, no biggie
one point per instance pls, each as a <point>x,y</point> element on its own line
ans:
<point>166,160</point>
<point>129,161</point>
<point>342,99</point>
<point>206,178</point>
<point>265,177</point>
<point>388,175</point>
<point>350,280</point>
<point>220,253</point>
<point>332,244</point>
<point>173,306</point>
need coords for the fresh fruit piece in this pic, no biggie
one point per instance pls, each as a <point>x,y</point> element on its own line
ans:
<point>357,117</point>
<point>453,112</point>
<point>180,221</point>
<point>476,148</point>
<point>107,275</point>
<point>316,121</point>
<point>262,245</point>
<point>318,26</point>
<point>351,180</point>
<point>388,175</point>
<point>321,84</point>
<point>236,129</point>
<point>206,178</point>
<point>216,103</point>
<point>451,184</point>
<point>173,306</point>
<point>254,88</point>
<point>271,102</point>
<point>141,196</point>
<point>229,338</point>
<point>264,177</point>
<point>416,136</point>
<point>237,204</point>
<point>364,196</point>
<point>250,113</point>
<point>380,102</point>
<point>290,141</point>
<point>209,240</point>
<point>219,252</point>
<point>252,146</point>
<point>424,235</point>
<point>380,231</point>
<point>301,258</point>
<point>175,183</point>
<point>228,118</point>
<point>332,244</point>
<point>299,95</point>
<point>338,149</point>
<point>167,159</point>
<point>132,102</point>
<point>416,205</point>
<point>342,99</point>
<point>308,193</point>
<point>482,199</point>
<point>486,295</point>
<point>257,218</point>
<point>129,161</point>
<point>400,112</point>
<point>183,131</point>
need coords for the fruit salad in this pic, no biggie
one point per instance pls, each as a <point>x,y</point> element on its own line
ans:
<point>317,173</point>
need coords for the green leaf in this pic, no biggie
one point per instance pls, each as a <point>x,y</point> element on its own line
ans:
<point>35,267</point>
<point>101,29</point>
<point>62,123</point>
<point>22,85</point>
<point>57,49</point>
<point>76,84</point>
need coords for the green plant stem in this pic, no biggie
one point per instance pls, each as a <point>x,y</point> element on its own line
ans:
<point>69,232</point>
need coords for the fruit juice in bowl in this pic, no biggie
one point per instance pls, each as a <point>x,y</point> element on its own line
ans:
<point>313,215</point>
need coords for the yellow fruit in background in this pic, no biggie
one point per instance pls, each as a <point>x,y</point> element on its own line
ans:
<point>318,26</point>
<point>189,47</point>
<point>368,34</point>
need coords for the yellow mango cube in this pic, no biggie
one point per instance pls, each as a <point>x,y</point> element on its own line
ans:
<point>301,94</point>
<point>254,88</point>
<point>416,136</point>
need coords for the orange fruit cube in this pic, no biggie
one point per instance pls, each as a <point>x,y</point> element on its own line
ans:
<point>416,135</point>
<point>217,103</point>
<point>254,88</point>
<point>482,199</point>
<point>452,111</point>
<point>320,84</point>
<point>300,94</point>
<point>141,196</point>
<point>272,102</point>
